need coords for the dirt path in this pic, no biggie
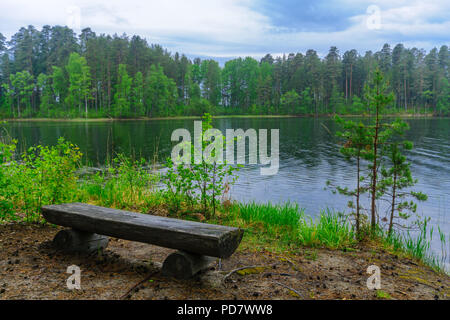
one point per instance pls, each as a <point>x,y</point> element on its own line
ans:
<point>31,269</point>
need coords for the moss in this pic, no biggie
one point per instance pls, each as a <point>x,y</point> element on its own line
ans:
<point>383,295</point>
<point>253,270</point>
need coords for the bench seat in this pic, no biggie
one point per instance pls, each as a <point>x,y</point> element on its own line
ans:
<point>196,241</point>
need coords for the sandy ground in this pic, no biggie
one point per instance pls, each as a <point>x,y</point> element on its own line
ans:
<point>30,268</point>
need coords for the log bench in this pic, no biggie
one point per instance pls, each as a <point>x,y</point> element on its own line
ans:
<point>198,244</point>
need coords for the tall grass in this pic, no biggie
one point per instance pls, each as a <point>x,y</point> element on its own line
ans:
<point>125,183</point>
<point>418,246</point>
<point>272,215</point>
<point>329,229</point>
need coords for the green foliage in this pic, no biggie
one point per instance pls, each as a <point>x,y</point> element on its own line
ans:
<point>306,102</point>
<point>443,99</point>
<point>289,224</point>
<point>138,94</point>
<point>204,182</point>
<point>160,93</point>
<point>377,145</point>
<point>357,144</point>
<point>45,93</point>
<point>79,83</point>
<point>357,106</point>
<point>126,183</point>
<point>290,102</point>
<point>6,189</point>
<point>378,99</point>
<point>45,175</point>
<point>211,75</point>
<point>396,176</point>
<point>270,215</point>
<point>49,175</point>
<point>59,85</point>
<point>330,229</point>
<point>337,101</point>
<point>123,93</point>
<point>22,86</point>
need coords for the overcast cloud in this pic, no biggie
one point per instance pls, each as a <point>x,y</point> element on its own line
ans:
<point>229,28</point>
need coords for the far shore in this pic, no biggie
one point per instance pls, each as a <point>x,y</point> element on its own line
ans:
<point>402,115</point>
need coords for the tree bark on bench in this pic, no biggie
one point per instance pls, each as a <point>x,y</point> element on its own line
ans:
<point>72,240</point>
<point>183,265</point>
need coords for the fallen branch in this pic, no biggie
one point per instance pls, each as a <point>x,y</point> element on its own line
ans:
<point>289,288</point>
<point>138,284</point>
<point>241,268</point>
<point>404,293</point>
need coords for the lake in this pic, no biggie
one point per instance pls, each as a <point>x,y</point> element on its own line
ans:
<point>309,156</point>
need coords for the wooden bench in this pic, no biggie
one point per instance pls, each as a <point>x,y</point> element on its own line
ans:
<point>197,243</point>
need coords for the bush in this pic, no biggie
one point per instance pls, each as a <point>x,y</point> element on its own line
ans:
<point>201,183</point>
<point>6,204</point>
<point>46,175</point>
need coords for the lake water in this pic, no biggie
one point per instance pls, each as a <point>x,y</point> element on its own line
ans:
<point>309,157</point>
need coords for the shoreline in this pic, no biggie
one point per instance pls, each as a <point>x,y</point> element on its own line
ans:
<point>402,115</point>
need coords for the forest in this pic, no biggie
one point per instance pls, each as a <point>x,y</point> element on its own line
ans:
<point>55,73</point>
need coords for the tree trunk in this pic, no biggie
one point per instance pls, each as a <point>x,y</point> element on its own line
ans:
<point>374,169</point>
<point>346,95</point>
<point>351,72</point>
<point>404,84</point>
<point>357,192</point>
<point>393,205</point>
<point>18,107</point>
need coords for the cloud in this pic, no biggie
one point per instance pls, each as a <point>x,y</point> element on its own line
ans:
<point>228,28</point>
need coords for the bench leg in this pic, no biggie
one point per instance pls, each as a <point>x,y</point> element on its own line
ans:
<point>184,265</point>
<point>79,241</point>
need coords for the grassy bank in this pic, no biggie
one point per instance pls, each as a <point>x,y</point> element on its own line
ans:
<point>48,175</point>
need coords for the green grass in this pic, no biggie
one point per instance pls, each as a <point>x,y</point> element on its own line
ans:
<point>288,224</point>
<point>288,214</point>
<point>330,229</point>
<point>418,247</point>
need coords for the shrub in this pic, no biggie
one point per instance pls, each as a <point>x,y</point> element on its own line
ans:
<point>46,175</point>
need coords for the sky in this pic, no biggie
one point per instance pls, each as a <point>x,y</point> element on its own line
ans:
<point>225,29</point>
